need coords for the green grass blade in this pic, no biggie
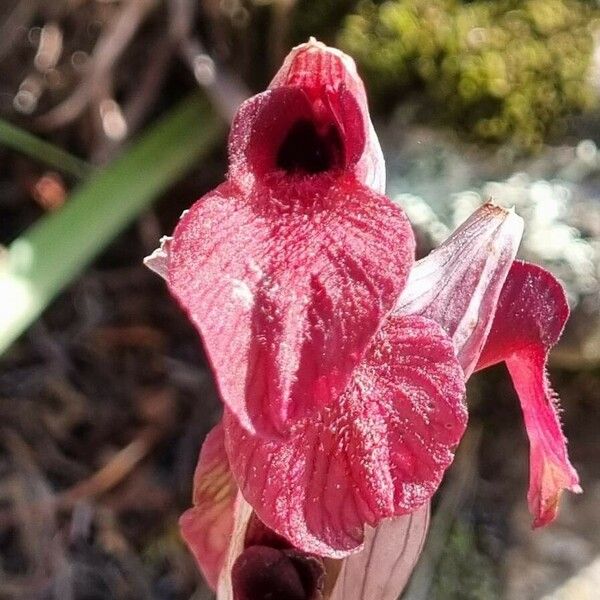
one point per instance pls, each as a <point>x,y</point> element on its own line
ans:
<point>20,140</point>
<point>48,256</point>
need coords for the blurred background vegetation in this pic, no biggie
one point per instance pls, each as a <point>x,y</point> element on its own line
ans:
<point>113,119</point>
<point>501,70</point>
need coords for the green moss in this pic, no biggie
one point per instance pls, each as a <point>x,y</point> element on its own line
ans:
<point>500,70</point>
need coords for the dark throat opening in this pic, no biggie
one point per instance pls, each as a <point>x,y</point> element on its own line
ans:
<point>304,149</point>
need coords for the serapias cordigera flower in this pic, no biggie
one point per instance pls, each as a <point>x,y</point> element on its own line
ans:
<point>340,360</point>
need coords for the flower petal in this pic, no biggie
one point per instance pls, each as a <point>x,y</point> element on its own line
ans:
<point>531,315</point>
<point>317,84</point>
<point>458,284</point>
<point>379,452</point>
<point>315,66</point>
<point>259,129</point>
<point>438,288</point>
<point>383,567</point>
<point>243,515</point>
<point>207,527</point>
<point>287,285</point>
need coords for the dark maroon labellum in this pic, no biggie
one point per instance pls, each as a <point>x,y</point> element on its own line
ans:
<point>264,573</point>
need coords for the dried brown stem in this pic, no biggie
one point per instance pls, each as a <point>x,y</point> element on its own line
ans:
<point>141,99</point>
<point>106,53</point>
<point>279,30</point>
<point>224,89</point>
<point>18,19</point>
<point>116,470</point>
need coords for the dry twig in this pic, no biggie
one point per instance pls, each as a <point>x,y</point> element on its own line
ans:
<point>224,89</point>
<point>116,470</point>
<point>106,53</point>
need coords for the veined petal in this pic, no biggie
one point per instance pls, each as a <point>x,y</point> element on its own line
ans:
<point>242,518</point>
<point>316,66</point>
<point>458,284</point>
<point>287,285</point>
<point>313,65</point>
<point>228,541</point>
<point>530,317</point>
<point>378,452</point>
<point>207,527</point>
<point>383,567</point>
<point>317,86</point>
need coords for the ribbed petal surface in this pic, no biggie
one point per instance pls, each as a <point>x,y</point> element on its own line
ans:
<point>458,284</point>
<point>380,451</point>
<point>317,68</point>
<point>287,285</point>
<point>381,570</point>
<point>208,526</point>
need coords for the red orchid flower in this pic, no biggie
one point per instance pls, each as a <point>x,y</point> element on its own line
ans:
<point>341,362</point>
